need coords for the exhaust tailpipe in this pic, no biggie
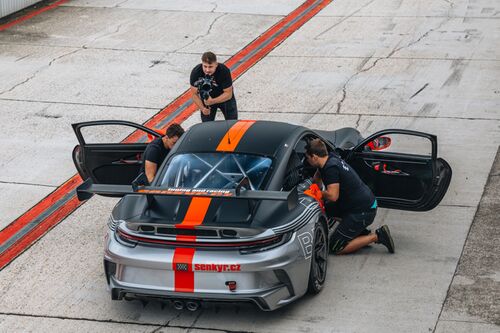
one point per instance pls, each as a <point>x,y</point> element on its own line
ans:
<point>192,305</point>
<point>178,305</point>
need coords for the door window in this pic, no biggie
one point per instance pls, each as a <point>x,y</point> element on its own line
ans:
<point>112,133</point>
<point>401,144</point>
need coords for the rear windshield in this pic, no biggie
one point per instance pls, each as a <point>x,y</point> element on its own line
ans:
<point>215,170</point>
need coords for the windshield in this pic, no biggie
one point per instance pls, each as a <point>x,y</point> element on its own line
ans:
<point>215,170</point>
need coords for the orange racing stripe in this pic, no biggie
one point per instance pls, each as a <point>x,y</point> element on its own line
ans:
<point>234,135</point>
<point>182,263</point>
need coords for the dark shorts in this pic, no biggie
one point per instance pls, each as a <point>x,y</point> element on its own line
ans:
<point>351,226</point>
<point>229,110</point>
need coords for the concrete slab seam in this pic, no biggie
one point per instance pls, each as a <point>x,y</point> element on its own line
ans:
<point>110,321</point>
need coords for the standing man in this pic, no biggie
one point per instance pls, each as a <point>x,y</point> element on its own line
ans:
<point>158,149</point>
<point>351,199</point>
<point>212,88</point>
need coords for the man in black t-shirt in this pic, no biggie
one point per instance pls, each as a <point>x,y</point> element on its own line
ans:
<point>346,196</point>
<point>158,149</point>
<point>212,88</point>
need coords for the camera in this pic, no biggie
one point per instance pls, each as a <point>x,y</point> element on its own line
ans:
<point>204,85</point>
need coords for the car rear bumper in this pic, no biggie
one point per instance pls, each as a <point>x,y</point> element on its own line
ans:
<point>269,279</point>
<point>266,300</point>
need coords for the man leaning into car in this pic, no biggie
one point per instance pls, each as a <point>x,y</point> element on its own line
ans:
<point>346,196</point>
<point>212,88</point>
<point>158,149</point>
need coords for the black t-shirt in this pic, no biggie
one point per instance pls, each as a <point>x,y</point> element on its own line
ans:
<point>220,80</point>
<point>155,152</point>
<point>354,195</point>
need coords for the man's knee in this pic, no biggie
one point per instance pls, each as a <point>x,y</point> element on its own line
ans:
<point>337,243</point>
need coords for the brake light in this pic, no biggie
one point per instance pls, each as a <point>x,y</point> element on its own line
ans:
<point>244,247</point>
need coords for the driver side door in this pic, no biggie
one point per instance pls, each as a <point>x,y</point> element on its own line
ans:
<point>407,174</point>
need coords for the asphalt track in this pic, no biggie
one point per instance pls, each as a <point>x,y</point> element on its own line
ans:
<point>28,228</point>
<point>425,65</point>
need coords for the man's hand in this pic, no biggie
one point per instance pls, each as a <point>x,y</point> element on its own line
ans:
<point>205,111</point>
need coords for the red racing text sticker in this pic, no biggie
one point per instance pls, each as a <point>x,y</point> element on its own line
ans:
<point>217,267</point>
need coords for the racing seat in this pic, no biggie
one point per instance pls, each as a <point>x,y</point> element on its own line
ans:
<point>345,138</point>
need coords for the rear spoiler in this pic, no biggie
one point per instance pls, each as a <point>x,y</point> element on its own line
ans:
<point>88,189</point>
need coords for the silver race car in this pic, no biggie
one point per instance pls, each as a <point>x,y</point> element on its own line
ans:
<point>228,217</point>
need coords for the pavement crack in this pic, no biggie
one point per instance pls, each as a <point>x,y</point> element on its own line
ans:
<point>117,30</point>
<point>309,116</point>
<point>357,122</point>
<point>162,59</point>
<point>39,71</point>
<point>344,95</point>
<point>393,52</point>
<point>24,57</point>
<point>203,35</point>
<point>343,19</point>
<point>215,6</point>
<point>119,4</point>
<point>419,90</point>
<point>195,321</point>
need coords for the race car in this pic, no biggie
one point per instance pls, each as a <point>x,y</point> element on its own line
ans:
<point>228,216</point>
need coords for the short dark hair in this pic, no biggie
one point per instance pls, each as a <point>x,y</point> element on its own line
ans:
<point>174,130</point>
<point>316,147</point>
<point>209,57</point>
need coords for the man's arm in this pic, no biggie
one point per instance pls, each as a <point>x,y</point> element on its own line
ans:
<point>150,168</point>
<point>317,178</point>
<point>332,192</point>
<point>197,100</point>
<point>226,95</point>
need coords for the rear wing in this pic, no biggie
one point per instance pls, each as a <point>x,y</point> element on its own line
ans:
<point>88,189</point>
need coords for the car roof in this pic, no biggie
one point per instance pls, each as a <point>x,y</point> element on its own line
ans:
<point>261,137</point>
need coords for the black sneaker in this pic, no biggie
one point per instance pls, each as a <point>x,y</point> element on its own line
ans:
<point>384,238</point>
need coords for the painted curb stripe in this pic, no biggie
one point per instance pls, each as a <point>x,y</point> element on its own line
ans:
<point>51,210</point>
<point>230,141</point>
<point>32,14</point>
<point>39,208</point>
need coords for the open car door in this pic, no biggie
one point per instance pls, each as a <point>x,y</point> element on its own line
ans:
<point>110,151</point>
<point>405,172</point>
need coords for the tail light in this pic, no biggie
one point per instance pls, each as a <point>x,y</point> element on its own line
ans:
<point>244,247</point>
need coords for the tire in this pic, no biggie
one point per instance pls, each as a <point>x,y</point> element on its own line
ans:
<point>319,259</point>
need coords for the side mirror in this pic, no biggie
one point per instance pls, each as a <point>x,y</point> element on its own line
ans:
<point>380,143</point>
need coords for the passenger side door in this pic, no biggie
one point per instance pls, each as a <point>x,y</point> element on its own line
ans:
<point>110,151</point>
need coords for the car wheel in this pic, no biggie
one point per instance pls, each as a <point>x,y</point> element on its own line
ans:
<point>319,259</point>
